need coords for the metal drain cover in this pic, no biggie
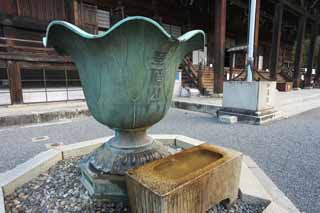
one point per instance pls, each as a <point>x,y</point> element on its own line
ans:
<point>53,145</point>
<point>40,138</point>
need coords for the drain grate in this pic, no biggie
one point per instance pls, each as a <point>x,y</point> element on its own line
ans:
<point>40,138</point>
<point>53,145</point>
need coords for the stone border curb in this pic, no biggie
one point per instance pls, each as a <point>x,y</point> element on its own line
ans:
<point>24,172</point>
<point>40,117</point>
<point>253,181</point>
<point>196,107</point>
<point>82,148</point>
<point>250,185</point>
<point>277,195</point>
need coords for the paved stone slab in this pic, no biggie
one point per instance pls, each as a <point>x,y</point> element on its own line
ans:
<point>28,170</point>
<point>228,119</point>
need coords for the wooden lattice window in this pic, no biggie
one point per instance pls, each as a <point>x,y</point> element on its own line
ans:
<point>103,20</point>
<point>89,17</point>
<point>42,9</point>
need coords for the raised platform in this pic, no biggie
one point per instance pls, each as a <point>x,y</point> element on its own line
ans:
<point>254,183</point>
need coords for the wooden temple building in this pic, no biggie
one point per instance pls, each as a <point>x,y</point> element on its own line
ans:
<point>286,46</point>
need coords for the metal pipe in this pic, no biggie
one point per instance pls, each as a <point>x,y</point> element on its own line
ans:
<point>250,58</point>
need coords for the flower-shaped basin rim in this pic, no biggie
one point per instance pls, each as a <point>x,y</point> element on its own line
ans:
<point>128,72</point>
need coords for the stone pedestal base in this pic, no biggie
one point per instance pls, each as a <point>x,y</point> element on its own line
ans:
<point>103,171</point>
<point>248,116</point>
<point>251,102</point>
<point>104,187</point>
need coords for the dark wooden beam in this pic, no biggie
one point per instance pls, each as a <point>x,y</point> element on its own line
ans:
<point>15,82</point>
<point>296,9</point>
<point>220,11</point>
<point>256,35</point>
<point>276,40</point>
<point>28,23</point>
<point>311,54</point>
<point>298,58</point>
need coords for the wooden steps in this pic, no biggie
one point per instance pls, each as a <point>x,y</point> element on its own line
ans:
<point>207,81</point>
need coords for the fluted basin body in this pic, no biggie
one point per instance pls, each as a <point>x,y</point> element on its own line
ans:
<point>127,75</point>
<point>128,72</point>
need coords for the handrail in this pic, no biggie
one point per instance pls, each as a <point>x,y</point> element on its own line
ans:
<point>239,75</point>
<point>260,75</point>
<point>190,70</point>
<point>22,45</point>
<point>21,40</point>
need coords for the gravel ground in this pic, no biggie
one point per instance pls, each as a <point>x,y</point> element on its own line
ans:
<point>287,150</point>
<point>60,190</point>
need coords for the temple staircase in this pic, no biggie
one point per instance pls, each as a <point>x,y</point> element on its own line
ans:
<point>197,76</point>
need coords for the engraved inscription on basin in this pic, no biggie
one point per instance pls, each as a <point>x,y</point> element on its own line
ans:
<point>181,165</point>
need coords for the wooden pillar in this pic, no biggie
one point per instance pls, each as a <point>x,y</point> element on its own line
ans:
<point>311,53</point>
<point>210,34</point>
<point>256,36</point>
<point>317,76</point>
<point>299,52</point>
<point>276,40</point>
<point>9,7</point>
<point>15,82</point>
<point>220,10</point>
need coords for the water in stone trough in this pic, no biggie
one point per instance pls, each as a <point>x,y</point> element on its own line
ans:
<point>60,190</point>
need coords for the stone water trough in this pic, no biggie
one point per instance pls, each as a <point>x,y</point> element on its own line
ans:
<point>190,181</point>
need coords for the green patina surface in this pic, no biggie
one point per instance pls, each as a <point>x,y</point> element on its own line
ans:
<point>128,72</point>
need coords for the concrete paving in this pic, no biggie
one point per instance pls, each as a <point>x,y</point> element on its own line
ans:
<point>287,150</point>
<point>14,115</point>
<point>288,104</point>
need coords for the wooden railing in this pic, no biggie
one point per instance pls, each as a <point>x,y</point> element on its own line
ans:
<point>28,50</point>
<point>25,46</point>
<point>192,72</point>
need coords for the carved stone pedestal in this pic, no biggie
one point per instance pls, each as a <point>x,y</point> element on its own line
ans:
<point>103,171</point>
